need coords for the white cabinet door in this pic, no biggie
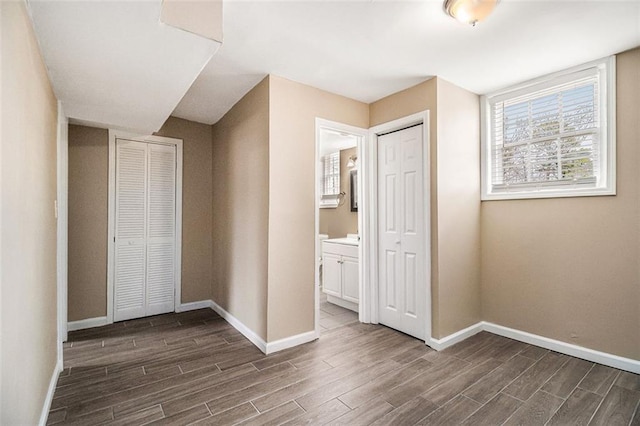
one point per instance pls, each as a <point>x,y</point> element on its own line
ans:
<point>332,274</point>
<point>145,240</point>
<point>401,231</point>
<point>350,284</point>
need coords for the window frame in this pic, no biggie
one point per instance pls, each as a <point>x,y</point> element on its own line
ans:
<point>606,180</point>
<point>330,201</point>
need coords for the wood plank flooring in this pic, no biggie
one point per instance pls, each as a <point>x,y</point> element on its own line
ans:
<point>194,368</point>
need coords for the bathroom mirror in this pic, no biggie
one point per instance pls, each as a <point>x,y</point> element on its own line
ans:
<point>353,187</point>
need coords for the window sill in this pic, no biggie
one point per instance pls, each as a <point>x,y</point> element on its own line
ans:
<point>329,205</point>
<point>548,193</point>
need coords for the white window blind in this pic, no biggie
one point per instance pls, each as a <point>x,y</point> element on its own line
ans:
<point>330,180</point>
<point>550,136</point>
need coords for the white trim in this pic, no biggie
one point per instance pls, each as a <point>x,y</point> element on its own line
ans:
<point>178,259</point>
<point>370,179</point>
<point>457,337</point>
<point>343,303</point>
<point>239,325</point>
<point>290,342</point>
<point>44,415</point>
<point>607,86</point>
<point>266,348</point>
<point>62,225</point>
<point>118,134</point>
<point>111,226</point>
<point>604,358</point>
<point>87,323</point>
<point>192,306</point>
<point>361,135</point>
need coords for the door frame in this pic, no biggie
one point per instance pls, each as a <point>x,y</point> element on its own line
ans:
<point>370,201</point>
<point>62,211</point>
<point>118,134</point>
<point>362,135</point>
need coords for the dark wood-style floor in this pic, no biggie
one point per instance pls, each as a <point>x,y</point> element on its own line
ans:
<point>194,368</point>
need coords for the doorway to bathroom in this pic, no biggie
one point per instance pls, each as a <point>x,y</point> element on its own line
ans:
<point>386,186</point>
<point>339,218</point>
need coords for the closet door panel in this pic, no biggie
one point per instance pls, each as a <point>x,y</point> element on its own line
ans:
<point>130,247</point>
<point>161,216</point>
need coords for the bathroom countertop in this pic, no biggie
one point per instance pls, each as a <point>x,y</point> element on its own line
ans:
<point>347,241</point>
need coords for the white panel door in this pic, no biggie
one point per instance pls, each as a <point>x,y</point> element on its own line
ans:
<point>401,254</point>
<point>144,275</point>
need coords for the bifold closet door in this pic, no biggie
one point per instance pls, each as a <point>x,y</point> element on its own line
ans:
<point>401,231</point>
<point>161,228</point>
<point>144,275</point>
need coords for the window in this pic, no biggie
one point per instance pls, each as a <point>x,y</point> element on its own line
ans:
<point>330,180</point>
<point>552,137</point>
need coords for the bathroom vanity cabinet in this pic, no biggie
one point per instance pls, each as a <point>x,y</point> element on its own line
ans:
<point>340,272</point>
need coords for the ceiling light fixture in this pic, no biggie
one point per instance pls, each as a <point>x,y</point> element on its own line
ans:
<point>469,11</point>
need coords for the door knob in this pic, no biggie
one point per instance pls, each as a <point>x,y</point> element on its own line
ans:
<point>397,241</point>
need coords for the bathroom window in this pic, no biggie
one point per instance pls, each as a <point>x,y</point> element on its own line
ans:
<point>552,137</point>
<point>330,180</point>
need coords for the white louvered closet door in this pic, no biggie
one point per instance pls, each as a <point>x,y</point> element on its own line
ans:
<point>145,229</point>
<point>161,227</point>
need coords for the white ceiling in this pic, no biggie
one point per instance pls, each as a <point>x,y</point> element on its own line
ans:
<point>114,64</point>
<point>332,141</point>
<point>368,50</point>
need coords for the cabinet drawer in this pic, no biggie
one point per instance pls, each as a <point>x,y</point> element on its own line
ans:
<point>342,249</point>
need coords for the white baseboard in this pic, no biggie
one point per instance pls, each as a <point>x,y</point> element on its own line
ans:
<point>87,323</point>
<point>457,337</point>
<point>289,342</point>
<point>343,303</point>
<point>52,388</point>
<point>192,306</point>
<point>100,321</point>
<point>238,325</point>
<point>266,348</point>
<point>604,358</point>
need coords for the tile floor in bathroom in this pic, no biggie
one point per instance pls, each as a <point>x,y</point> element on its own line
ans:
<point>333,316</point>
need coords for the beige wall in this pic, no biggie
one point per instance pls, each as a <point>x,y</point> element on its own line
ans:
<point>568,268</point>
<point>197,206</point>
<point>88,215</point>
<point>406,102</point>
<point>293,109</point>
<point>241,207</point>
<point>341,221</point>
<point>415,99</point>
<point>457,290</point>
<point>198,17</point>
<point>88,203</point>
<point>28,225</point>
<point>454,144</point>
